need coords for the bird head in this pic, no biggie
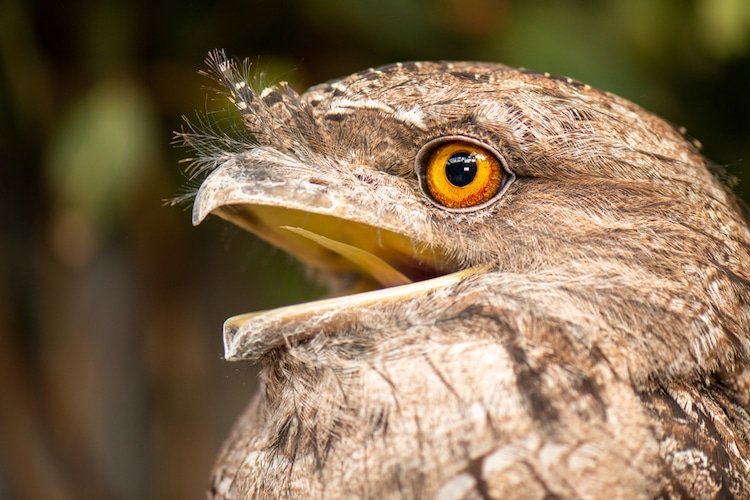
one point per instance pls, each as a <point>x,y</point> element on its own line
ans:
<point>535,196</point>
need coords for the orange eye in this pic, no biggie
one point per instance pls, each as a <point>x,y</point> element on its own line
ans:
<point>462,174</point>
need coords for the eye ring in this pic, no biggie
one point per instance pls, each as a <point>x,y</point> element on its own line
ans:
<point>461,174</point>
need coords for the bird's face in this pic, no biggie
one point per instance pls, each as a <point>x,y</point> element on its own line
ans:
<point>410,181</point>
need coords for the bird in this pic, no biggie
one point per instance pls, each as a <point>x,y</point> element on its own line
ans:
<point>537,289</point>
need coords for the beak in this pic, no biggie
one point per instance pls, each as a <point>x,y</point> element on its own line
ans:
<point>329,219</point>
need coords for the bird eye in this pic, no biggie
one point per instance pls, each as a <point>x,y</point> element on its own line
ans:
<point>460,173</point>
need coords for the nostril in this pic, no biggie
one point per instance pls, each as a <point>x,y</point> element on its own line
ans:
<point>319,181</point>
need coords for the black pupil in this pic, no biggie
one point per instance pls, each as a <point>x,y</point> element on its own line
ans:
<point>460,169</point>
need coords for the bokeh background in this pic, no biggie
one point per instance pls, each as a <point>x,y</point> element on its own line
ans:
<point>111,378</point>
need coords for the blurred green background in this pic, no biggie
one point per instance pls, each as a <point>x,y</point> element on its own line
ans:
<point>111,378</point>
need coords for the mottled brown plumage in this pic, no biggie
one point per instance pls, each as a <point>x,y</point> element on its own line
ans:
<point>585,334</point>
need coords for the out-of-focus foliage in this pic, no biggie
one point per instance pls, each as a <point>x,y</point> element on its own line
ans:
<point>111,382</point>
<point>724,27</point>
<point>105,145</point>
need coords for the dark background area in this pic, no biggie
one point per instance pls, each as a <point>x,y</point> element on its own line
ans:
<point>111,378</point>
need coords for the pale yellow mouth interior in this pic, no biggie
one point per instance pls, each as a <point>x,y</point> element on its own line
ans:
<point>391,266</point>
<point>340,245</point>
<point>364,260</point>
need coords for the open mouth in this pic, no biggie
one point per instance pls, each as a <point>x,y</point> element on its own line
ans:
<point>380,257</point>
<point>320,226</point>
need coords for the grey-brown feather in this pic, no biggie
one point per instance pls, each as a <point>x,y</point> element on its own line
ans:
<point>605,353</point>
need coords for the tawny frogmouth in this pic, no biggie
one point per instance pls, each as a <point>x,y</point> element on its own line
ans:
<point>541,290</point>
